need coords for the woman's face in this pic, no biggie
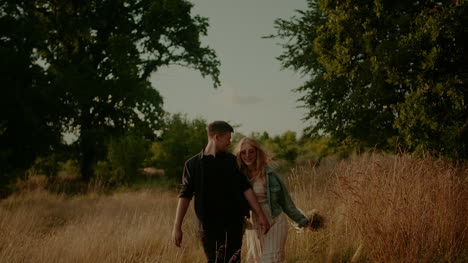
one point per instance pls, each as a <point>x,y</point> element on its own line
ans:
<point>248,154</point>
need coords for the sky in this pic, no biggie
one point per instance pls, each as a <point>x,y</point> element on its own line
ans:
<point>255,92</point>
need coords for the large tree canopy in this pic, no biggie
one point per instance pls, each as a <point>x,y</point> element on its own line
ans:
<point>85,65</point>
<point>29,112</point>
<point>384,70</point>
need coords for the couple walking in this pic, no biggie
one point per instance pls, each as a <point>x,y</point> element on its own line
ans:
<point>226,187</point>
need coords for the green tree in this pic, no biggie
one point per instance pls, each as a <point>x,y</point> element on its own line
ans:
<point>434,115</point>
<point>284,146</point>
<point>125,155</point>
<point>374,66</point>
<point>315,148</point>
<point>287,147</point>
<point>29,108</point>
<point>86,66</point>
<point>181,138</point>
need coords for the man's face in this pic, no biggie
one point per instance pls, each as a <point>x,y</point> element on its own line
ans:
<point>223,141</point>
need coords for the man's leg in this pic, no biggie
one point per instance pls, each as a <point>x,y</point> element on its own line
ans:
<point>234,235</point>
<point>223,244</point>
<point>213,241</point>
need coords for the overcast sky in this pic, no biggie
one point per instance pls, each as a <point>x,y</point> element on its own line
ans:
<point>255,93</point>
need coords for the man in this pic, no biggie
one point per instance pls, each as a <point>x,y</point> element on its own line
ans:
<point>222,196</point>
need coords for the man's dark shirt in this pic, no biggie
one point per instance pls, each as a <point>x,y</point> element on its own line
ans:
<point>218,186</point>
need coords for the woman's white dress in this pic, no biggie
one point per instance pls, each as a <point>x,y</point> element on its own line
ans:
<point>267,248</point>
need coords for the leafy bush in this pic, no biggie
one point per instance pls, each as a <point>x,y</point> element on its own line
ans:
<point>181,139</point>
<point>45,165</point>
<point>108,174</point>
<point>70,167</point>
<point>124,156</point>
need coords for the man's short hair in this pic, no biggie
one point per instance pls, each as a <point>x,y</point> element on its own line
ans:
<point>219,127</point>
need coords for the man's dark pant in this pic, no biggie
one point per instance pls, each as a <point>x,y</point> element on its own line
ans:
<point>222,243</point>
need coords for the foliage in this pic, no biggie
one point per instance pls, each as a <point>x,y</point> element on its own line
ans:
<point>29,111</point>
<point>382,71</point>
<point>284,146</point>
<point>45,165</point>
<point>70,167</point>
<point>180,139</point>
<point>316,148</point>
<point>125,155</point>
<point>434,116</point>
<point>289,147</point>
<point>84,66</point>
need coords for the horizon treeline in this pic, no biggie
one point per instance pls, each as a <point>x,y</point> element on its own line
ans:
<point>385,75</point>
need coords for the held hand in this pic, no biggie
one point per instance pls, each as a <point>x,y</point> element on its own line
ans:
<point>177,237</point>
<point>248,224</point>
<point>264,224</point>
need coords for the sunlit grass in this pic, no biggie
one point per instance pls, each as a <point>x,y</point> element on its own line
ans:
<point>122,227</point>
<point>383,208</point>
<point>378,209</point>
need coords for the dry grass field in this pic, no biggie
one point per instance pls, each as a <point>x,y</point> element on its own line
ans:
<point>379,208</point>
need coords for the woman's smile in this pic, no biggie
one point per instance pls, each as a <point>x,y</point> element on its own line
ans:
<point>248,154</point>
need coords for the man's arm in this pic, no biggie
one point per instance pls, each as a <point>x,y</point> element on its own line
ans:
<point>177,233</point>
<point>262,220</point>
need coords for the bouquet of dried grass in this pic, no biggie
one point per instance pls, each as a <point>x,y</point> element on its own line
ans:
<point>316,220</point>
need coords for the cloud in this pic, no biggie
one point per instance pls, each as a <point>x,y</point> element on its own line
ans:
<point>247,100</point>
<point>228,96</point>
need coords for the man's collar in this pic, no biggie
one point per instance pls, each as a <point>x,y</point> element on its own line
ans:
<point>202,155</point>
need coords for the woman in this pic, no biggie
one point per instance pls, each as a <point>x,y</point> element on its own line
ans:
<point>274,200</point>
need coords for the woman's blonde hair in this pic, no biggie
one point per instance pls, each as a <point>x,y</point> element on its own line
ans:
<point>261,161</point>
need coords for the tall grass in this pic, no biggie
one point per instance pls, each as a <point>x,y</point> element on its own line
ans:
<point>123,227</point>
<point>406,209</point>
<point>378,209</point>
<point>384,209</point>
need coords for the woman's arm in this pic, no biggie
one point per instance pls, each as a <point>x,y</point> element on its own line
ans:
<point>289,207</point>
